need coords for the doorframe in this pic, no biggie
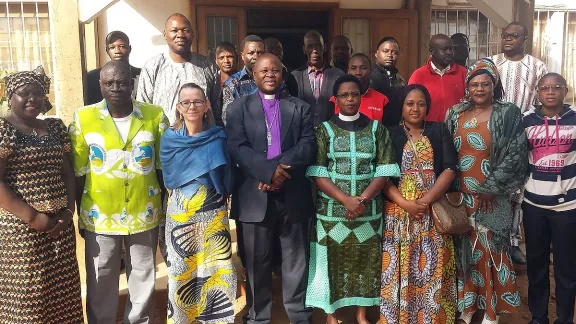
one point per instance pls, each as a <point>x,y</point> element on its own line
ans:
<point>219,11</point>
<point>195,5</point>
<point>410,14</point>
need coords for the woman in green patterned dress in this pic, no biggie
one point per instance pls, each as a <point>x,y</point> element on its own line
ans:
<point>355,157</point>
<point>493,157</point>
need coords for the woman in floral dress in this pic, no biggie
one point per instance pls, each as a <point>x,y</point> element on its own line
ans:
<point>493,155</point>
<point>418,267</point>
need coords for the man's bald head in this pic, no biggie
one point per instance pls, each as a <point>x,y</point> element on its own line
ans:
<point>268,73</point>
<point>178,35</point>
<point>274,60</point>
<point>313,34</point>
<point>437,39</point>
<point>274,46</point>
<point>441,50</point>
<point>314,48</point>
<point>116,66</point>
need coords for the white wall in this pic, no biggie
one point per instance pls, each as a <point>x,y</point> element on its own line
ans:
<point>143,22</point>
<point>500,12</point>
<point>556,4</point>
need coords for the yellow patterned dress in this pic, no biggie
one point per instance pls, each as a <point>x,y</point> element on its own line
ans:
<point>202,281</point>
<point>418,265</point>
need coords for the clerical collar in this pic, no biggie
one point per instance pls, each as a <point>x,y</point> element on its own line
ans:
<point>349,118</point>
<point>264,96</point>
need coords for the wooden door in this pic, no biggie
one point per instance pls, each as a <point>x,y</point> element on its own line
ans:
<point>219,24</point>
<point>365,28</point>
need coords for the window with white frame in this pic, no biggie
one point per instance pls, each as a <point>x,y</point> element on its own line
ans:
<point>25,39</point>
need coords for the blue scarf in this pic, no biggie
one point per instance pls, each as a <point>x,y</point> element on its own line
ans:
<point>189,162</point>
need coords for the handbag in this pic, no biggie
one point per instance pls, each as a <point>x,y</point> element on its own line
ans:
<point>449,217</point>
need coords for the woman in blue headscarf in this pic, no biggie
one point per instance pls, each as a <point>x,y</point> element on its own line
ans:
<point>196,167</point>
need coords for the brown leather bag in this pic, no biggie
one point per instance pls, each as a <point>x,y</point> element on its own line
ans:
<point>449,217</point>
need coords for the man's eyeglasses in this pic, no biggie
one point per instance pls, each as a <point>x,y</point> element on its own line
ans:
<point>348,95</point>
<point>546,88</point>
<point>187,104</point>
<point>510,36</point>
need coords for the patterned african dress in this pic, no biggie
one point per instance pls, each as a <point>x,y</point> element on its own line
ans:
<point>39,277</point>
<point>345,255</point>
<point>418,266</point>
<point>491,284</point>
<point>202,280</point>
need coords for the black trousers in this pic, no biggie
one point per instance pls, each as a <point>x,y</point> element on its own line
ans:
<point>543,227</point>
<point>259,239</point>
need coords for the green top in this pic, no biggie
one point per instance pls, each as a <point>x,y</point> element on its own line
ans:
<point>351,159</point>
<point>121,195</point>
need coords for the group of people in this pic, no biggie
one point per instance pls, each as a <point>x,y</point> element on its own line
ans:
<point>331,171</point>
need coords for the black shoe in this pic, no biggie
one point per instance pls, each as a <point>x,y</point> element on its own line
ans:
<point>518,258</point>
<point>538,322</point>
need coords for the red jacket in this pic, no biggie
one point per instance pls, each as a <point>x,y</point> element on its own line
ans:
<point>445,91</point>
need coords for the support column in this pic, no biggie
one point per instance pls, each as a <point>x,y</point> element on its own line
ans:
<point>424,28</point>
<point>66,52</point>
<point>524,13</point>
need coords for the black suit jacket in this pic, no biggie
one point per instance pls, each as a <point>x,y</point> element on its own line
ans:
<point>299,86</point>
<point>445,156</point>
<point>247,145</point>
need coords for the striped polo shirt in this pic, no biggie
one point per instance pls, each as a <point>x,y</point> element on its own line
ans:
<point>551,182</point>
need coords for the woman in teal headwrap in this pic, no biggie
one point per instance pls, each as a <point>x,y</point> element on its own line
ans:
<point>196,168</point>
<point>492,155</point>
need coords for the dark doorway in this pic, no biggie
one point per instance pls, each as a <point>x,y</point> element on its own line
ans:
<point>289,26</point>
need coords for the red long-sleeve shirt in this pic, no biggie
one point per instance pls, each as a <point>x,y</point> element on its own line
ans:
<point>445,91</point>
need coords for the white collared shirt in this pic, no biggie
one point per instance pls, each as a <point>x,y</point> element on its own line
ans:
<point>437,70</point>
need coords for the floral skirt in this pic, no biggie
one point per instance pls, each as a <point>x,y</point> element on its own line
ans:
<point>418,271</point>
<point>491,284</point>
<point>202,278</point>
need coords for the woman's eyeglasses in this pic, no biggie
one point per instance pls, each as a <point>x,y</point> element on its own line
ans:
<point>348,95</point>
<point>35,95</point>
<point>546,88</point>
<point>187,104</point>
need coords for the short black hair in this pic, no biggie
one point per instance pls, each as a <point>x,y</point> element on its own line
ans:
<point>555,75</point>
<point>250,39</point>
<point>178,15</point>
<point>114,36</point>
<point>343,37</point>
<point>225,46</point>
<point>344,79</point>
<point>460,35</point>
<point>416,86</point>
<point>362,55</point>
<point>517,23</point>
<point>498,89</point>
<point>387,39</point>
